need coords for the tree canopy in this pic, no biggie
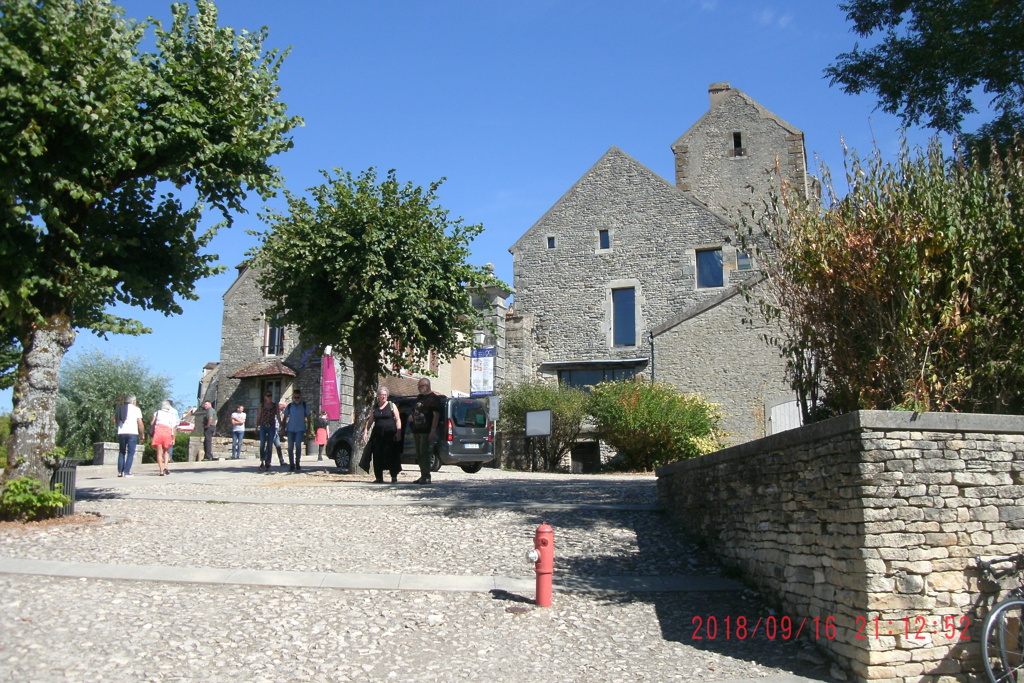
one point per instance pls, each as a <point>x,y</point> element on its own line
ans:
<point>905,293</point>
<point>933,59</point>
<point>376,270</point>
<point>97,141</point>
<point>92,387</point>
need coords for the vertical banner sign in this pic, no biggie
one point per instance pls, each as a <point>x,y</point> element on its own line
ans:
<point>329,389</point>
<point>481,372</point>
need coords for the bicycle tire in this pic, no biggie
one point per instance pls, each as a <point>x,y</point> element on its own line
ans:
<point>1002,642</point>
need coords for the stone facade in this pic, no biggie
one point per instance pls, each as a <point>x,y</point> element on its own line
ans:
<point>624,248</point>
<point>868,516</point>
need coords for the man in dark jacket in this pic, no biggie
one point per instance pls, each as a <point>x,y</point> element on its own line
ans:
<point>209,425</point>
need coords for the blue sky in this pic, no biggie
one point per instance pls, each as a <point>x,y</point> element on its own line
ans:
<point>512,103</point>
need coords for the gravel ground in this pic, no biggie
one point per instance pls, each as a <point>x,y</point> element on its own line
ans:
<point>61,629</point>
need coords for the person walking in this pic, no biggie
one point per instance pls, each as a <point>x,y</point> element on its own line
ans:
<point>294,418</point>
<point>423,424</point>
<point>321,434</point>
<point>387,433</point>
<point>209,426</point>
<point>129,428</point>
<point>280,428</point>
<point>237,432</point>
<point>164,424</point>
<point>266,423</point>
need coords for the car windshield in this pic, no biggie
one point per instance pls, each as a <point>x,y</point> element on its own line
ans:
<point>467,412</point>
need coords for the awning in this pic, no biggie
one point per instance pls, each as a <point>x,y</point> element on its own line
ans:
<point>595,364</point>
<point>271,367</point>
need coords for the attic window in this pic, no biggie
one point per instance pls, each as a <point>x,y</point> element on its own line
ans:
<point>738,150</point>
<point>551,242</point>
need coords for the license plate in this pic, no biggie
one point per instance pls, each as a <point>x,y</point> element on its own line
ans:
<point>472,445</point>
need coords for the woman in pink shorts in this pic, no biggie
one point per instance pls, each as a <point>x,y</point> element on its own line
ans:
<point>164,423</point>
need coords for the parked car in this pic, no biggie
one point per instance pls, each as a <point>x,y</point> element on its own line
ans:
<point>465,436</point>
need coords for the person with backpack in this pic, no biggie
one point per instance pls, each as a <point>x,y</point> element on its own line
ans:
<point>294,417</point>
<point>386,446</point>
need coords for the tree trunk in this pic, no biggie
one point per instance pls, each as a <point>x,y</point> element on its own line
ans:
<point>364,386</point>
<point>34,418</point>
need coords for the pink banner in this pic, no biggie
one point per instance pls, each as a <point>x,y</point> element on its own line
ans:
<point>329,399</point>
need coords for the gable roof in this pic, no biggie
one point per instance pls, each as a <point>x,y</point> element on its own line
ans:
<point>617,162</point>
<point>733,92</point>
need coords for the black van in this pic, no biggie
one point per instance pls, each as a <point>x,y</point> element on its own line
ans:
<point>465,436</point>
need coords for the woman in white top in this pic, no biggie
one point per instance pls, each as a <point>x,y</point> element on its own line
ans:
<point>237,432</point>
<point>164,424</point>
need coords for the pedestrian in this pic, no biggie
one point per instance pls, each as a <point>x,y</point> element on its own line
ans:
<point>130,427</point>
<point>423,425</point>
<point>294,418</point>
<point>164,424</point>
<point>277,433</point>
<point>266,423</point>
<point>237,432</point>
<point>321,434</point>
<point>387,434</point>
<point>209,426</point>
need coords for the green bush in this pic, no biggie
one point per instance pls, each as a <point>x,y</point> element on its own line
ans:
<point>654,424</point>
<point>26,499</point>
<point>568,410</point>
<point>180,449</point>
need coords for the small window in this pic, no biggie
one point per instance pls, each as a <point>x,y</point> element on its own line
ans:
<point>709,268</point>
<point>744,261</point>
<point>604,239</point>
<point>584,379</point>
<point>738,150</point>
<point>551,242</point>
<point>624,317</point>
<point>273,338</point>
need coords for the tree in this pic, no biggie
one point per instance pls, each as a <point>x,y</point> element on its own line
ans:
<point>91,388</point>
<point>568,410</point>
<point>654,424</point>
<point>933,58</point>
<point>905,293</point>
<point>96,139</point>
<point>377,271</point>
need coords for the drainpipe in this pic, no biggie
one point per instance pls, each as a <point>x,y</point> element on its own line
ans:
<point>650,340</point>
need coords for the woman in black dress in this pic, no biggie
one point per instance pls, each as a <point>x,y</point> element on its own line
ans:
<point>386,444</point>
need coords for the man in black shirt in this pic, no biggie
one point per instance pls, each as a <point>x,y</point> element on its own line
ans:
<point>423,424</point>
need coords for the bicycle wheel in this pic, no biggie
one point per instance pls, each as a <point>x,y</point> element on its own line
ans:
<point>1002,642</point>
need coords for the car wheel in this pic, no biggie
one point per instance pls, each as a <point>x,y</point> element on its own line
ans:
<point>435,462</point>
<point>471,467</point>
<point>343,457</point>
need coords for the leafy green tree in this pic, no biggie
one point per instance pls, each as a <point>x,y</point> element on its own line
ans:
<point>91,388</point>
<point>933,57</point>
<point>96,139</point>
<point>568,411</point>
<point>377,271</point>
<point>651,425</point>
<point>907,291</point>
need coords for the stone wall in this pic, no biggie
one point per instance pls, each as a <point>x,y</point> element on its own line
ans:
<point>871,515</point>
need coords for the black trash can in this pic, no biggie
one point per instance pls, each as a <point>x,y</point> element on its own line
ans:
<point>64,475</point>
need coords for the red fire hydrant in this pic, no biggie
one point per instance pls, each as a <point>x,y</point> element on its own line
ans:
<point>543,554</point>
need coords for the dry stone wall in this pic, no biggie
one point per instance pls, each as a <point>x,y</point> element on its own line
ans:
<point>871,524</point>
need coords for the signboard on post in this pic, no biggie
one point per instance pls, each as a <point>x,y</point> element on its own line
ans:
<point>538,425</point>
<point>481,372</point>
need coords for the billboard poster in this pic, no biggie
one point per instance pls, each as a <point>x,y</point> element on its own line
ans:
<point>329,398</point>
<point>481,372</point>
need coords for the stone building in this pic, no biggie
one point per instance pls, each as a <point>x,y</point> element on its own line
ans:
<point>628,274</point>
<point>257,355</point>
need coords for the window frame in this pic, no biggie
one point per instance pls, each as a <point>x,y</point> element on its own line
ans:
<point>698,270</point>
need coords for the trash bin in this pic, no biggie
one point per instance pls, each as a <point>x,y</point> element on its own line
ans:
<point>65,476</point>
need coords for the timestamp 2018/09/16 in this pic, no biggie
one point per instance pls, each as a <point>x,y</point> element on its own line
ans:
<point>951,627</point>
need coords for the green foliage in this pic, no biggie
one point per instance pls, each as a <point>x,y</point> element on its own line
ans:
<point>180,454</point>
<point>25,499</point>
<point>934,57</point>
<point>907,291</point>
<point>568,410</point>
<point>389,262</point>
<point>91,389</point>
<point>651,425</point>
<point>5,433</point>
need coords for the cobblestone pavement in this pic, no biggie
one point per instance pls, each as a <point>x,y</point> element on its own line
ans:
<point>209,516</point>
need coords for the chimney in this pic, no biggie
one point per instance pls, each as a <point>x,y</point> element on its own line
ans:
<point>717,91</point>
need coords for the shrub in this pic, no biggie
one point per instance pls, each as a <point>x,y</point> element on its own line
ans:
<point>26,499</point>
<point>180,449</point>
<point>654,424</point>
<point>567,406</point>
<point>5,433</point>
